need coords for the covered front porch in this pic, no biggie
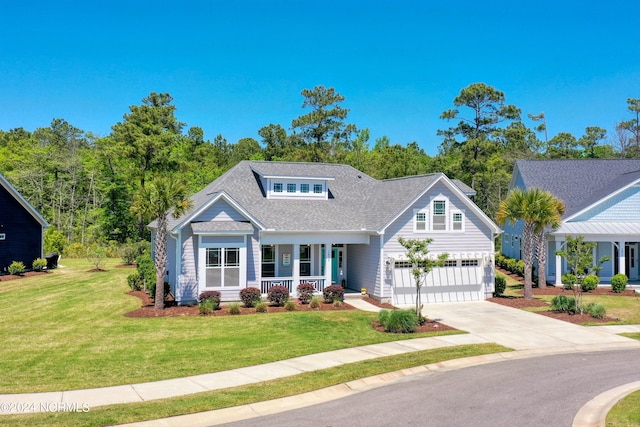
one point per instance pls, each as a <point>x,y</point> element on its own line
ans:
<point>292,264</point>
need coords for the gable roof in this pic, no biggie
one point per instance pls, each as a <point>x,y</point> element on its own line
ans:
<point>356,202</point>
<point>578,183</point>
<point>26,205</point>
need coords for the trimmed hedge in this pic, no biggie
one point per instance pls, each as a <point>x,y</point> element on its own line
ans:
<point>211,296</point>
<point>278,295</point>
<point>500,286</point>
<point>399,321</point>
<point>305,292</point>
<point>590,282</point>
<point>332,293</point>
<point>619,282</point>
<point>250,296</point>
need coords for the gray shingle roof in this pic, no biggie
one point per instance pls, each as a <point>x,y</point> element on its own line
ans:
<point>578,183</point>
<point>357,201</point>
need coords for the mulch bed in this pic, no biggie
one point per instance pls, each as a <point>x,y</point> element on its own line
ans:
<point>5,277</point>
<point>567,317</point>
<point>147,309</point>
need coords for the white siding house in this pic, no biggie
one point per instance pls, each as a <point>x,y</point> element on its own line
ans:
<point>268,223</point>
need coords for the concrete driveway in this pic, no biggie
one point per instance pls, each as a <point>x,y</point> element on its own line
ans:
<point>518,329</point>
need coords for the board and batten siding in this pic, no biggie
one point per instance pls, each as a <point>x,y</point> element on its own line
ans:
<point>22,232</point>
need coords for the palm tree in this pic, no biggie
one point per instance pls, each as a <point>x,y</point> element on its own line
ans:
<point>549,217</point>
<point>525,205</point>
<point>157,199</point>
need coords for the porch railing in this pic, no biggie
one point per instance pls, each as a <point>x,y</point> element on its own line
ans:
<point>318,283</point>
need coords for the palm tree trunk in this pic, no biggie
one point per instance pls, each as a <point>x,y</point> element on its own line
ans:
<point>160,261</point>
<point>541,251</point>
<point>527,255</point>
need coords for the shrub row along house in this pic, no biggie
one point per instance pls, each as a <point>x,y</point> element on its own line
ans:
<point>278,223</point>
<point>602,204</point>
<point>21,228</point>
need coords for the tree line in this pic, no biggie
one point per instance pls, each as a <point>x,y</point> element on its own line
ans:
<point>85,185</point>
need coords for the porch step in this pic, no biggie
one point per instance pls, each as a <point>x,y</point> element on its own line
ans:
<point>350,294</point>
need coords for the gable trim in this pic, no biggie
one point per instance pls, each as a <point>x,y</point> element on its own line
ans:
<point>224,196</point>
<point>460,195</point>
<point>603,200</point>
<point>26,205</point>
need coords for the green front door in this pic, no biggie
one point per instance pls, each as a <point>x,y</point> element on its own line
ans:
<point>334,265</point>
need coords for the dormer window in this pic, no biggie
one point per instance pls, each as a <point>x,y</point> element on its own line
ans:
<point>285,187</point>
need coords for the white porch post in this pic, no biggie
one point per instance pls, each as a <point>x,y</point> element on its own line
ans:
<point>328,264</point>
<point>558,264</point>
<point>621,258</point>
<point>296,267</point>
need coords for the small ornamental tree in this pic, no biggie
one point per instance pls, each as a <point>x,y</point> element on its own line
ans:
<point>579,257</point>
<point>422,264</point>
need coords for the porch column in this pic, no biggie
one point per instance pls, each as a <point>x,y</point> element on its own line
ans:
<point>558,264</point>
<point>296,267</point>
<point>621,258</point>
<point>328,264</point>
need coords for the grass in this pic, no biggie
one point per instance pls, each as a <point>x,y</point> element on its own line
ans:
<point>118,414</point>
<point>626,309</point>
<point>625,413</point>
<point>66,330</point>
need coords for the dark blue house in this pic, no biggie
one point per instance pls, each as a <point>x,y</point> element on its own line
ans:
<point>21,228</point>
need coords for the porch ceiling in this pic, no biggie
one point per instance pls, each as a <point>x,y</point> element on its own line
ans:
<point>619,229</point>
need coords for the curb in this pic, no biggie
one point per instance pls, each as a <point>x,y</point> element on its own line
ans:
<point>594,413</point>
<point>259,409</point>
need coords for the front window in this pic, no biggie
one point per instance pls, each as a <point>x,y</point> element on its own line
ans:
<point>222,267</point>
<point>457,221</point>
<point>305,260</point>
<point>421,221</point>
<point>439,215</point>
<point>268,261</point>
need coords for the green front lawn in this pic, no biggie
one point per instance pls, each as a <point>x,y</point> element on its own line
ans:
<point>67,330</point>
<point>625,413</point>
<point>289,386</point>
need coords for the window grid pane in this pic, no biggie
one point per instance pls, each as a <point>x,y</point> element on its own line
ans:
<point>277,187</point>
<point>304,188</point>
<point>291,188</point>
<point>317,188</point>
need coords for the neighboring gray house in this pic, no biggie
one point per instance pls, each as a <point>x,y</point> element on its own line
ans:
<point>267,223</point>
<point>602,201</point>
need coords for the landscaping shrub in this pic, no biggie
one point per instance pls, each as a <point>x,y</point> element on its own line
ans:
<point>132,250</point>
<point>147,269</point>
<point>206,307</point>
<point>134,281</point>
<point>337,303</point>
<point>16,268</point>
<point>234,308</point>
<point>563,304</point>
<point>500,285</point>
<point>315,302</point>
<point>596,310</point>
<point>590,282</point>
<point>75,250</point>
<point>261,307</point>
<point>512,265</point>
<point>398,321</point>
<point>250,296</point>
<point>96,254</point>
<point>278,295</point>
<point>213,296</point>
<point>568,281</point>
<point>332,293</point>
<point>39,264</point>
<point>619,282</point>
<point>290,306</point>
<point>305,292</point>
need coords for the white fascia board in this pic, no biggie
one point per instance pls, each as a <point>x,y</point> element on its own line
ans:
<point>292,177</point>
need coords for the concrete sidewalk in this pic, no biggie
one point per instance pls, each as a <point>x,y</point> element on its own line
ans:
<point>486,322</point>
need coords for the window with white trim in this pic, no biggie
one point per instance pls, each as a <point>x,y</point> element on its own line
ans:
<point>451,263</point>
<point>317,188</point>
<point>277,187</point>
<point>439,215</point>
<point>222,267</point>
<point>291,187</point>
<point>304,188</point>
<point>469,262</point>
<point>457,221</point>
<point>420,221</point>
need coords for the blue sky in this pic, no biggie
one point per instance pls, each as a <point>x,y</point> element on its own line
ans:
<point>235,66</point>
